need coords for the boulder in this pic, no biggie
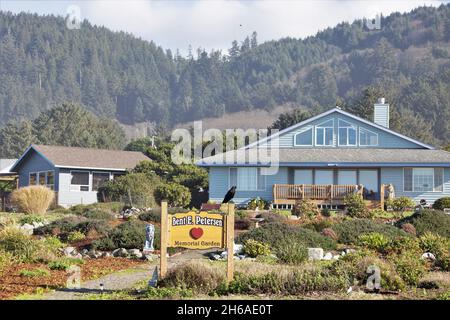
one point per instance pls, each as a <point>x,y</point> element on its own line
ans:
<point>135,253</point>
<point>106,255</point>
<point>77,256</point>
<point>428,256</point>
<point>94,254</point>
<point>315,253</point>
<point>238,248</point>
<point>121,252</point>
<point>68,251</point>
<point>27,228</point>
<point>215,256</point>
<point>328,256</point>
<point>150,257</point>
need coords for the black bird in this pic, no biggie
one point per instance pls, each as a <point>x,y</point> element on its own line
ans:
<point>229,195</point>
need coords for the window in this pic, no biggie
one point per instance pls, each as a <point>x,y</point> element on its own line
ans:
<point>247,179</point>
<point>423,179</point>
<point>41,178</point>
<point>304,138</point>
<point>98,179</point>
<point>79,181</point>
<point>347,134</point>
<point>367,138</point>
<point>50,180</point>
<point>324,133</point>
<point>33,178</point>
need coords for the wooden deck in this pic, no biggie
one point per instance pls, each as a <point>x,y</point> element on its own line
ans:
<point>322,194</point>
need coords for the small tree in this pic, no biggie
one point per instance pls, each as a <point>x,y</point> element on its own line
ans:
<point>33,199</point>
<point>356,207</point>
<point>176,194</point>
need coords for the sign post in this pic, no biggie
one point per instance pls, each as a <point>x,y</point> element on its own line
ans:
<point>197,230</point>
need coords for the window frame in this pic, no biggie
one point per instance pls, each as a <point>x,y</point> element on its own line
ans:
<point>101,172</point>
<point>433,189</point>
<point>303,131</point>
<point>258,176</point>
<point>319,126</point>
<point>350,126</point>
<point>36,174</point>
<point>78,187</point>
<point>367,145</point>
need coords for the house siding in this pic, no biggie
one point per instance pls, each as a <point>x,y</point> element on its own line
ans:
<point>34,162</point>
<point>395,176</point>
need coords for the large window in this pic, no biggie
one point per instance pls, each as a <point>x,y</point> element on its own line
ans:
<point>42,178</point>
<point>347,134</point>
<point>247,179</point>
<point>324,133</point>
<point>33,178</point>
<point>304,138</point>
<point>98,179</point>
<point>367,138</point>
<point>423,179</point>
<point>79,181</point>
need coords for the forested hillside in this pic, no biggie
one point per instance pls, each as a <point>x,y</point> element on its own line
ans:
<point>115,75</point>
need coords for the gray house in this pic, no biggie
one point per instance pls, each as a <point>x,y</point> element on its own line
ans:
<point>75,174</point>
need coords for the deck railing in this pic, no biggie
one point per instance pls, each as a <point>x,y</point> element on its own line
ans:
<point>314,191</point>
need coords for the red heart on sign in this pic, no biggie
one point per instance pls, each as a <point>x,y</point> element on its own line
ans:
<point>196,233</point>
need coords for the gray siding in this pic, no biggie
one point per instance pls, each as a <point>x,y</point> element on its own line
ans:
<point>34,162</point>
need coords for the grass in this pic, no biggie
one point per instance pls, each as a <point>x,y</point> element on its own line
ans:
<point>35,273</point>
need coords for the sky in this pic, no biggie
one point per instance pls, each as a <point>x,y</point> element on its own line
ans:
<point>214,24</point>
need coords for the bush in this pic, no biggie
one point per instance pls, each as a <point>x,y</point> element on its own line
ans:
<point>374,240</point>
<point>348,231</point>
<point>34,273</point>
<point>409,266</point>
<point>64,264</point>
<point>75,236</point>
<point>438,246</point>
<point>173,293</point>
<point>201,277</point>
<point>255,248</point>
<point>92,228</point>
<point>273,233</point>
<point>6,260</point>
<point>153,215</point>
<point>305,208</point>
<point>329,233</point>
<point>242,224</point>
<point>355,206</point>
<point>175,194</point>
<point>32,199</point>
<point>409,228</point>
<point>129,235</point>
<point>441,203</point>
<point>31,218</point>
<point>270,217</point>
<point>291,252</point>
<point>434,221</point>
<point>259,203</point>
<point>401,203</point>
<point>98,214</point>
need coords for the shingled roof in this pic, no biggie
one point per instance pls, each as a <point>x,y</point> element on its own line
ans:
<point>75,157</point>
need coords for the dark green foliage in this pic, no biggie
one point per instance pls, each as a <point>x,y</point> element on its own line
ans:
<point>429,220</point>
<point>442,203</point>
<point>153,215</point>
<point>348,231</point>
<point>291,252</point>
<point>64,225</point>
<point>175,194</point>
<point>275,233</point>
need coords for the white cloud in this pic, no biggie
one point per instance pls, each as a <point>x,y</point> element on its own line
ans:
<point>215,23</point>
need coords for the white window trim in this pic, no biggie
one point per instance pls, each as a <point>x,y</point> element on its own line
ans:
<point>413,187</point>
<point>318,126</point>
<point>352,126</point>
<point>303,131</point>
<point>367,145</point>
<point>103,172</point>
<point>77,187</point>
<point>237,179</point>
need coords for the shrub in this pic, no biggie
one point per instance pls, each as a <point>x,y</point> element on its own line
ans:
<point>434,221</point>
<point>201,277</point>
<point>374,240</point>
<point>175,194</point>
<point>325,212</point>
<point>438,246</point>
<point>64,225</point>
<point>31,218</point>
<point>355,206</point>
<point>401,203</point>
<point>32,199</point>
<point>93,226</point>
<point>273,233</point>
<point>98,214</point>
<point>409,228</point>
<point>329,233</point>
<point>319,224</point>
<point>6,260</point>
<point>259,203</point>
<point>305,208</point>
<point>441,203</point>
<point>255,248</point>
<point>348,231</point>
<point>242,224</point>
<point>399,245</point>
<point>270,217</point>
<point>75,236</point>
<point>64,264</point>
<point>129,235</point>
<point>291,252</point>
<point>409,266</point>
<point>153,215</point>
<point>173,293</point>
<point>34,273</point>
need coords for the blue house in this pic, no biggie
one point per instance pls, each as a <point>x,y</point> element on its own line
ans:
<point>75,174</point>
<point>330,155</point>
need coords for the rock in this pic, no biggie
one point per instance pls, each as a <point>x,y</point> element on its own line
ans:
<point>27,228</point>
<point>121,252</point>
<point>150,257</point>
<point>94,254</point>
<point>224,255</point>
<point>135,253</point>
<point>84,251</point>
<point>215,256</point>
<point>69,251</point>
<point>106,255</point>
<point>77,256</point>
<point>336,257</point>
<point>429,256</point>
<point>328,256</point>
<point>242,256</point>
<point>238,248</point>
<point>315,253</point>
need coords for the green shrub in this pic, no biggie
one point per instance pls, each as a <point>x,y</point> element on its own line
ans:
<point>401,203</point>
<point>273,233</point>
<point>255,248</point>
<point>434,221</point>
<point>305,208</point>
<point>75,236</point>
<point>98,226</point>
<point>319,224</point>
<point>270,217</point>
<point>242,224</point>
<point>64,225</point>
<point>409,266</point>
<point>439,246</point>
<point>172,293</point>
<point>348,231</point>
<point>31,218</point>
<point>374,240</point>
<point>20,245</point>
<point>409,228</point>
<point>399,245</point>
<point>153,215</point>
<point>441,203</point>
<point>98,214</point>
<point>32,199</point>
<point>64,264</point>
<point>259,203</point>
<point>6,260</point>
<point>34,273</point>
<point>291,252</point>
<point>241,214</point>
<point>355,206</point>
<point>175,194</point>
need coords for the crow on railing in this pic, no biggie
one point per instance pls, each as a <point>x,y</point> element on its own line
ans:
<point>229,195</point>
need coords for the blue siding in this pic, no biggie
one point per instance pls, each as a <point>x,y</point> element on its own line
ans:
<point>385,139</point>
<point>34,162</point>
<point>395,176</point>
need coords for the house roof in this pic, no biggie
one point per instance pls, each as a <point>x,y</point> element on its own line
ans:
<point>369,157</point>
<point>338,110</point>
<point>85,158</point>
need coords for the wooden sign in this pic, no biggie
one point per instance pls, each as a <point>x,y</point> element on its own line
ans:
<point>194,230</point>
<point>198,230</point>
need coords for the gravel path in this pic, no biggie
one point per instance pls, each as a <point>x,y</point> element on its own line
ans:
<point>121,280</point>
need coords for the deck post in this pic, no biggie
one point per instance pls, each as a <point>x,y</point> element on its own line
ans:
<point>331,192</point>
<point>274,190</point>
<point>382,191</point>
<point>303,191</point>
